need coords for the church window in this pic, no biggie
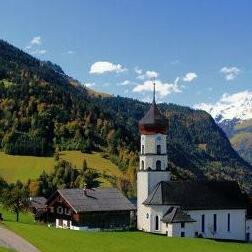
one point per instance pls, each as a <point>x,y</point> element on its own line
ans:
<point>202,223</point>
<point>215,223</point>
<point>228,222</point>
<point>147,216</point>
<point>182,224</point>
<point>158,165</point>
<point>142,165</point>
<point>158,149</point>
<point>156,223</point>
<point>142,149</point>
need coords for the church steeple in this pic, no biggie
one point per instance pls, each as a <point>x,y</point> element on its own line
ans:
<point>153,121</point>
<point>153,160</point>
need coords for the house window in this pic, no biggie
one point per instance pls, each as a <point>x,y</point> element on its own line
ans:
<point>182,234</point>
<point>142,165</point>
<point>182,224</point>
<point>158,149</point>
<point>156,223</point>
<point>67,211</point>
<point>60,210</point>
<point>215,223</point>
<point>158,165</point>
<point>228,222</point>
<point>142,149</point>
<point>202,223</point>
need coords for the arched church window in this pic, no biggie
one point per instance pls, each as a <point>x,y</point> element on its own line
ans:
<point>156,223</point>
<point>158,165</point>
<point>142,165</point>
<point>158,149</point>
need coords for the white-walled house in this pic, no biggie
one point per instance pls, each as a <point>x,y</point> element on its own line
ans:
<point>209,209</point>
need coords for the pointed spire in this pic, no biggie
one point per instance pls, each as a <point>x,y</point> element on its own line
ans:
<point>154,90</point>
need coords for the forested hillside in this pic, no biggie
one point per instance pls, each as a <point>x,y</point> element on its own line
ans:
<point>42,111</point>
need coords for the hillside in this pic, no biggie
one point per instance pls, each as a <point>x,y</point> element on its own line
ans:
<point>23,167</point>
<point>42,110</point>
<point>239,133</point>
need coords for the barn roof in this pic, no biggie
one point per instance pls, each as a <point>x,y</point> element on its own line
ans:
<point>198,195</point>
<point>98,199</point>
<point>176,215</point>
<point>38,202</point>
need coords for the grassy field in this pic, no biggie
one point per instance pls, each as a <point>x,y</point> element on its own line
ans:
<point>57,240</point>
<point>25,167</point>
<point>5,250</point>
<point>54,240</point>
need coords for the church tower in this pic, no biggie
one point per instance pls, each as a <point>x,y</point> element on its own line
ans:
<point>153,159</point>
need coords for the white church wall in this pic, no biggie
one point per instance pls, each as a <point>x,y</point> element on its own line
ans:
<point>150,143</point>
<point>176,229</point>
<point>249,230</point>
<point>237,223</point>
<point>159,211</point>
<point>150,161</point>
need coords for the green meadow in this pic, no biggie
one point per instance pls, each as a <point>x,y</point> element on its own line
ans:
<point>49,239</point>
<point>25,167</point>
<point>56,240</point>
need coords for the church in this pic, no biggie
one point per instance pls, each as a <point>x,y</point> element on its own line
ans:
<point>208,209</point>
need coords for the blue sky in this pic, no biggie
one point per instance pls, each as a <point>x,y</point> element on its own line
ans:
<point>198,50</point>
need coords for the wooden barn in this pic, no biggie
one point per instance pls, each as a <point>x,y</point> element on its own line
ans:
<point>84,209</point>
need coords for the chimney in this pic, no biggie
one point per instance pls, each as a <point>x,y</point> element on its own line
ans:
<point>85,191</point>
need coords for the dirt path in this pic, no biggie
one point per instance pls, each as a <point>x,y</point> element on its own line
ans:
<point>11,240</point>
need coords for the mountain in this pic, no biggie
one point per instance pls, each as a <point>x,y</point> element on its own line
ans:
<point>42,110</point>
<point>233,113</point>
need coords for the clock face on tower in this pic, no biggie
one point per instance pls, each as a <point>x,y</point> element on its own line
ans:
<point>158,138</point>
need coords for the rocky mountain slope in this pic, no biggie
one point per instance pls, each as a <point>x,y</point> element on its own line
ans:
<point>233,113</point>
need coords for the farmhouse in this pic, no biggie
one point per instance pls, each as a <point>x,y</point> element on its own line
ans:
<point>84,209</point>
<point>210,209</point>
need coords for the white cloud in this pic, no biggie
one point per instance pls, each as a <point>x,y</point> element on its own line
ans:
<point>36,41</point>
<point>230,73</point>
<point>42,51</point>
<point>70,52</point>
<point>148,75</point>
<point>101,67</point>
<point>162,89</point>
<point>229,106</point>
<point>138,70</point>
<point>34,46</point>
<point>89,84</point>
<point>124,83</point>
<point>189,77</point>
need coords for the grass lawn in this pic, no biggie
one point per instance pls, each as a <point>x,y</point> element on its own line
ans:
<point>5,250</point>
<point>58,240</point>
<point>25,167</point>
<point>54,240</point>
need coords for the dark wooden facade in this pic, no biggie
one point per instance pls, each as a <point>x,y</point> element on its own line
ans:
<point>59,209</point>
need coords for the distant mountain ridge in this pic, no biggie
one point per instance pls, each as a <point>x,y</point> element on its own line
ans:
<point>43,110</point>
<point>233,113</point>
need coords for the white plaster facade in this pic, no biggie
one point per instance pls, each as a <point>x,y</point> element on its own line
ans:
<point>249,230</point>
<point>229,223</point>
